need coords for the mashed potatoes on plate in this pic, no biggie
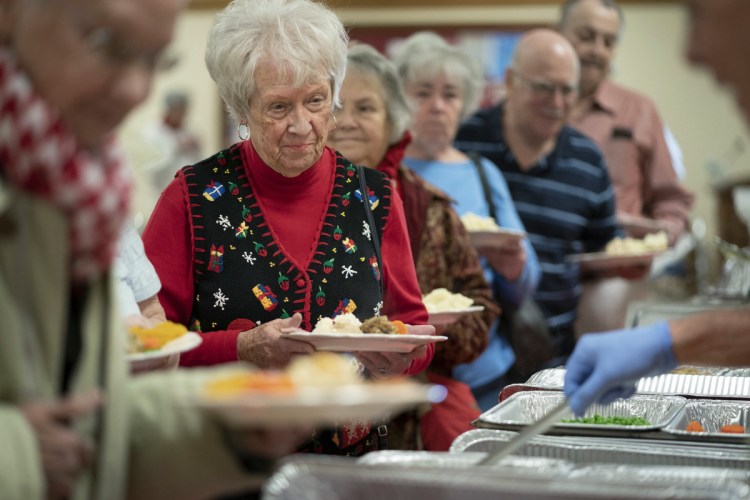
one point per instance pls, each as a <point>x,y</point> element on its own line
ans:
<point>348,323</point>
<point>440,299</point>
<point>655,242</point>
<point>474,222</point>
<point>343,323</point>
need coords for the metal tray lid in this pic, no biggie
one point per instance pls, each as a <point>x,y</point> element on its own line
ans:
<point>724,384</point>
<point>423,459</point>
<point>616,451</point>
<point>308,478</point>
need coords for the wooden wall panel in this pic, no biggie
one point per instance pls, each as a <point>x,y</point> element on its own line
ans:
<point>359,4</point>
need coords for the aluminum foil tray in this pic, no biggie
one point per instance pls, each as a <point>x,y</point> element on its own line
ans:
<point>525,408</point>
<point>311,479</point>
<point>549,466</point>
<point>735,372</point>
<point>697,475</point>
<point>428,459</point>
<point>552,378</point>
<point>712,415</point>
<point>703,386</point>
<point>698,370</point>
<point>592,450</point>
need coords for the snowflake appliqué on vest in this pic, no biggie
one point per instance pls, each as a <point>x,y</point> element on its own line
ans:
<point>224,222</point>
<point>347,271</point>
<point>366,231</point>
<point>248,256</point>
<point>221,299</point>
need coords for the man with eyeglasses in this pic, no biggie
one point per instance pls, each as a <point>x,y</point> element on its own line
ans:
<point>628,129</point>
<point>556,176</point>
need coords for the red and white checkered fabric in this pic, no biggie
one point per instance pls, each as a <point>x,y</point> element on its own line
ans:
<point>40,156</point>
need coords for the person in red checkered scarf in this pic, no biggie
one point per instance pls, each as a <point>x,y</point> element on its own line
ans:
<point>70,71</point>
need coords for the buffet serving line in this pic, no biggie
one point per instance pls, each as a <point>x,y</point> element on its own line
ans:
<point>685,434</point>
<point>642,447</point>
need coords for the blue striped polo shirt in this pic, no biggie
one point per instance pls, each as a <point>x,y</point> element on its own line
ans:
<point>566,202</point>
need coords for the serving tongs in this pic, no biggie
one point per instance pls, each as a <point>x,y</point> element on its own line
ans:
<point>540,427</point>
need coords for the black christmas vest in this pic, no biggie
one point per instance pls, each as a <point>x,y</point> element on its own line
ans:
<point>241,273</point>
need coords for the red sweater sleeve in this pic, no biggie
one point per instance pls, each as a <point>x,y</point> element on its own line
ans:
<point>169,247</point>
<point>403,298</point>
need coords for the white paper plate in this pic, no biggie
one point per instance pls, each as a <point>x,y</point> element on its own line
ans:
<point>184,343</point>
<point>449,316</point>
<point>602,261</point>
<point>483,239</point>
<point>372,342</point>
<point>313,406</point>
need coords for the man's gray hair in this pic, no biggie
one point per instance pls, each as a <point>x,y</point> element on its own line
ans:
<point>304,40</point>
<point>367,60</point>
<point>426,55</point>
<point>569,4</point>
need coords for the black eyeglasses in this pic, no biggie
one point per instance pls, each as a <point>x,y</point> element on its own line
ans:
<point>547,89</point>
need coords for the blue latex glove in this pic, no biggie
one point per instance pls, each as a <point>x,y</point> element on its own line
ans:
<point>605,366</point>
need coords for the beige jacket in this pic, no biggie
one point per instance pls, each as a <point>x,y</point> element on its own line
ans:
<point>152,443</point>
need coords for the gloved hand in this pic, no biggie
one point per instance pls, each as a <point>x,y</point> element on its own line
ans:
<point>605,366</point>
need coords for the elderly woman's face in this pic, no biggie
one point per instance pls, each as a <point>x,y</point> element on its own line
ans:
<point>362,127</point>
<point>289,126</point>
<point>93,60</point>
<point>438,104</point>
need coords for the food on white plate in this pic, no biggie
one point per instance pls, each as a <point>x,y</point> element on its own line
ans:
<point>343,323</point>
<point>324,369</point>
<point>381,324</point>
<point>348,323</point>
<point>319,369</point>
<point>655,242</point>
<point>440,299</point>
<point>474,222</point>
<point>142,339</point>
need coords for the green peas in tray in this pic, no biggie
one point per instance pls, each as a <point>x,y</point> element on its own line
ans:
<point>613,420</point>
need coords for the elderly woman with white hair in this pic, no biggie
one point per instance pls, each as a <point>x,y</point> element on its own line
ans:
<point>372,132</point>
<point>445,85</point>
<point>279,231</point>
